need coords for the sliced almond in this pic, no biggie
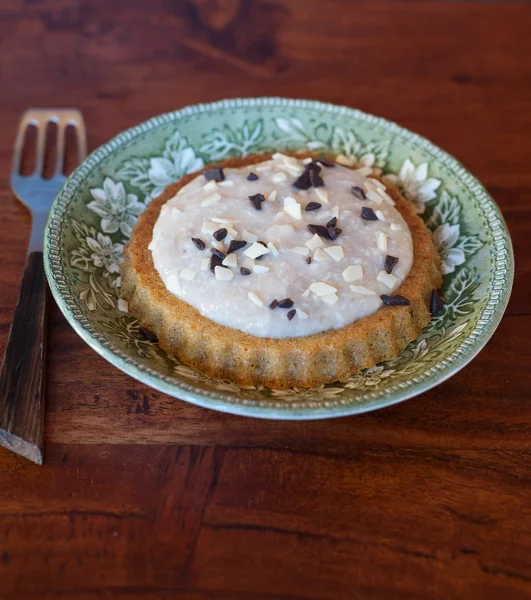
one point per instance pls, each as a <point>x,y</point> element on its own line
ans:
<point>294,211</point>
<point>320,256</point>
<point>306,292</point>
<point>209,227</point>
<point>307,161</point>
<point>315,242</point>
<point>335,212</point>
<point>256,250</point>
<point>320,288</point>
<point>260,269</point>
<point>210,186</point>
<point>302,250</point>
<point>374,197</point>
<point>279,177</point>
<point>205,264</point>
<point>322,195</point>
<point>364,171</point>
<point>123,305</point>
<point>288,200</point>
<point>380,215</point>
<point>387,279</point>
<point>231,260</point>
<point>174,285</point>
<point>301,314</point>
<point>352,272</point>
<point>345,160</point>
<point>226,183</point>
<point>232,232</point>
<point>386,197</point>
<point>272,196</point>
<point>395,227</point>
<point>263,168</point>
<point>217,245</point>
<point>223,274</point>
<point>212,199</point>
<point>223,220</point>
<point>382,241</point>
<point>188,274</point>
<point>273,249</point>
<point>330,298</point>
<point>255,298</point>
<point>335,252</point>
<point>361,289</point>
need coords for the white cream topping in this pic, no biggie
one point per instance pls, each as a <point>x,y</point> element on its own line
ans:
<point>342,283</point>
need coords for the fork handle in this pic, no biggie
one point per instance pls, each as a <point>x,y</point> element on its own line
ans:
<point>22,374</point>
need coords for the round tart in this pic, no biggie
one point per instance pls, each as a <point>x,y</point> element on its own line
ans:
<point>281,271</point>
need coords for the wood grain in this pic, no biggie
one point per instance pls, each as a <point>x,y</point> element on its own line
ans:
<point>146,497</point>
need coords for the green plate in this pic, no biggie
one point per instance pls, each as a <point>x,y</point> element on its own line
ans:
<point>93,215</point>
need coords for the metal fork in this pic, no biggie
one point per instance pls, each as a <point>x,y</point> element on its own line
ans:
<point>22,374</point>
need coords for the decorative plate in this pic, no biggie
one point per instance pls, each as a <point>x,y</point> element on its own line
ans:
<point>93,215</point>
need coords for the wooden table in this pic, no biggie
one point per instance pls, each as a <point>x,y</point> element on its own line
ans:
<point>146,497</point>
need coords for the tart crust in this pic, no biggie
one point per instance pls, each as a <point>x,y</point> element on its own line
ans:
<point>226,353</point>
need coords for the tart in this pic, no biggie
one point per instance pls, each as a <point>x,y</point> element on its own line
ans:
<point>281,270</point>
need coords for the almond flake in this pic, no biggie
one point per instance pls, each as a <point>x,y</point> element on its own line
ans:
<point>294,211</point>
<point>306,292</point>
<point>188,274</point>
<point>231,260</point>
<point>370,184</point>
<point>361,289</point>
<point>322,195</point>
<point>279,177</point>
<point>307,161</point>
<point>330,298</point>
<point>249,237</point>
<point>352,272</point>
<point>123,305</point>
<point>210,186</point>
<point>223,220</point>
<point>395,227</point>
<point>272,195</point>
<point>273,249</point>
<point>292,169</point>
<point>335,212</point>
<point>223,274</point>
<point>335,252</point>
<point>248,264</point>
<point>205,264</point>
<point>226,183</point>
<point>386,197</point>
<point>173,284</point>
<point>320,288</point>
<point>345,160</point>
<point>212,199</point>
<point>263,168</point>
<point>232,232</point>
<point>382,241</point>
<point>388,280</point>
<point>256,250</point>
<point>255,298</point>
<point>209,227</point>
<point>379,185</point>
<point>320,256</point>
<point>380,215</point>
<point>364,171</point>
<point>301,314</point>
<point>301,250</point>
<point>290,200</point>
<point>175,212</point>
<point>374,197</point>
<point>315,242</point>
<point>260,269</point>
<point>228,239</point>
<point>217,245</point>
<point>280,156</point>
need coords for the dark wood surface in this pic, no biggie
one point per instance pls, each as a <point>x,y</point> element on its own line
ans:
<point>144,497</point>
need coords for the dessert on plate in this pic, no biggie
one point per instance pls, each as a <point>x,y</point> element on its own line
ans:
<point>281,270</point>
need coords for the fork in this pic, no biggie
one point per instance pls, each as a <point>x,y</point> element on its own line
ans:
<point>22,373</point>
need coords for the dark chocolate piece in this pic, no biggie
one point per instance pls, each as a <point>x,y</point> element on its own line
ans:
<point>149,335</point>
<point>256,200</point>
<point>303,181</point>
<point>309,260</point>
<point>332,222</point>
<point>214,174</point>
<point>236,245</point>
<point>273,304</point>
<point>436,303</point>
<point>334,232</point>
<point>198,243</point>
<point>220,234</point>
<point>252,177</point>
<point>217,253</point>
<point>291,314</point>
<point>368,214</point>
<point>245,271</point>
<point>215,261</point>
<point>312,206</point>
<point>389,264</point>
<point>320,231</point>
<point>286,303</point>
<point>315,179</point>
<point>396,300</point>
<point>358,192</point>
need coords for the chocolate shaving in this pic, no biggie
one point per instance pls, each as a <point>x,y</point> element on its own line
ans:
<point>220,234</point>
<point>291,314</point>
<point>389,264</point>
<point>217,253</point>
<point>368,214</point>
<point>396,300</point>
<point>303,181</point>
<point>333,232</point>
<point>236,245</point>
<point>245,271</point>
<point>286,303</point>
<point>273,304</point>
<point>332,222</point>
<point>321,231</point>
<point>315,179</point>
<point>312,166</point>
<point>309,260</point>
<point>358,192</point>
<point>198,243</point>
<point>149,335</point>
<point>310,177</point>
<point>256,201</point>
<point>325,162</point>
<point>312,206</point>
<point>252,177</point>
<point>214,174</point>
<point>436,303</point>
<point>215,261</point>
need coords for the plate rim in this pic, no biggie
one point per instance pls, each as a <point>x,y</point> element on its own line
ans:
<point>221,401</point>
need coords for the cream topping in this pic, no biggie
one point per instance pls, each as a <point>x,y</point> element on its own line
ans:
<point>329,283</point>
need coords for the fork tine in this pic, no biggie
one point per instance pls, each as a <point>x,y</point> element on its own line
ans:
<point>81,135</point>
<point>42,125</point>
<point>60,150</point>
<point>19,142</point>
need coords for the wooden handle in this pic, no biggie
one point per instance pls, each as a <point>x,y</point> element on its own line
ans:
<point>22,374</point>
